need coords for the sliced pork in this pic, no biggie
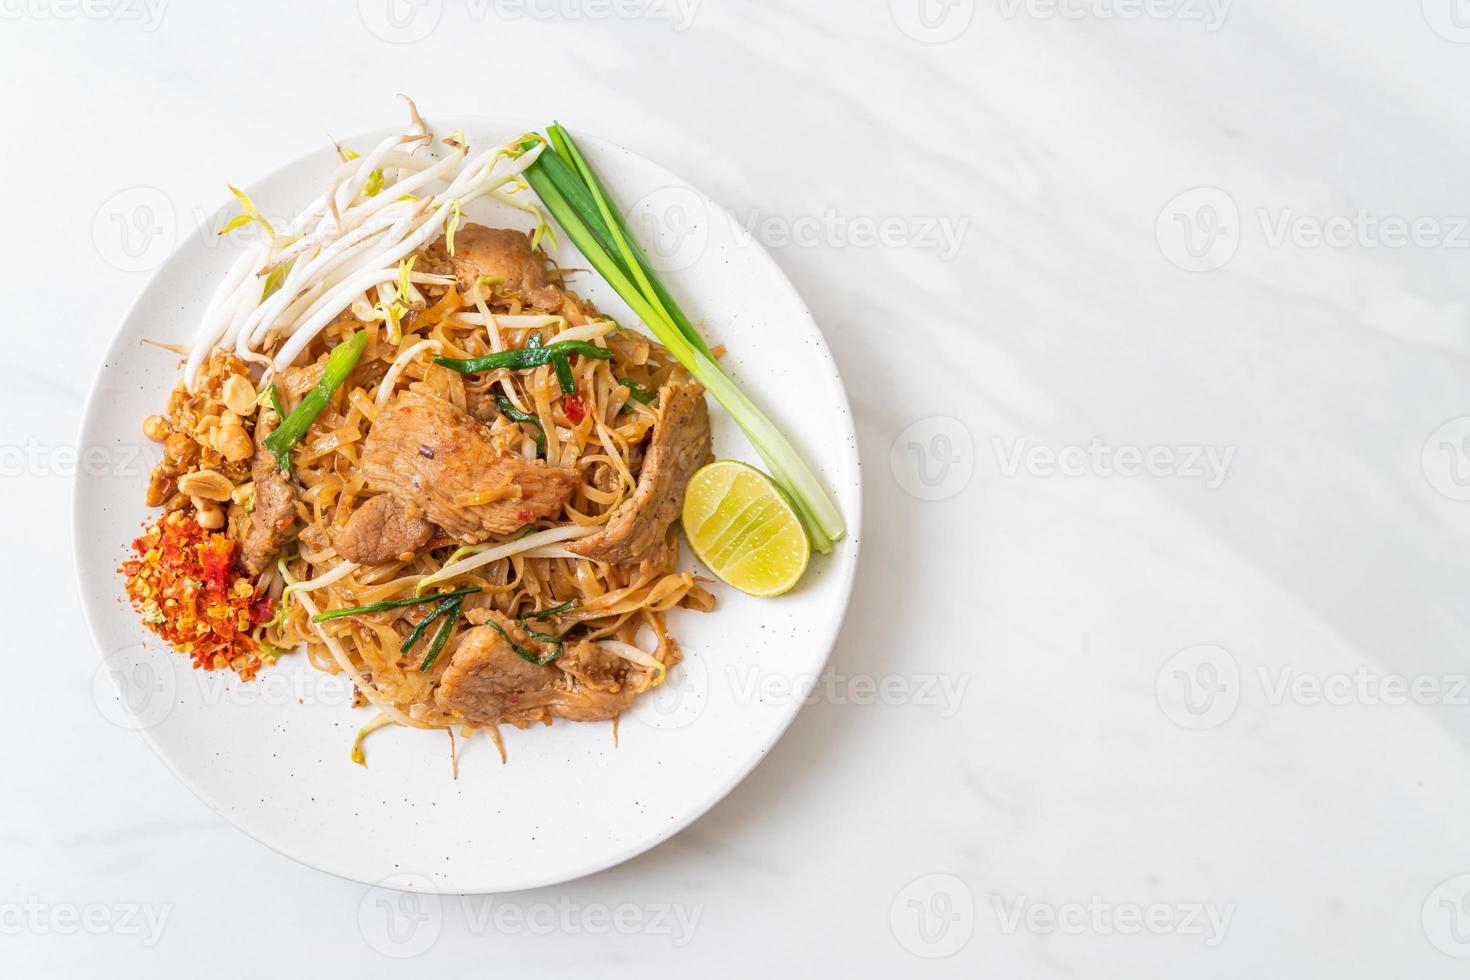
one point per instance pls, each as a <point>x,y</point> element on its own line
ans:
<point>506,256</point>
<point>440,461</point>
<point>487,679</point>
<point>679,445</point>
<point>487,682</point>
<point>383,529</point>
<point>268,525</point>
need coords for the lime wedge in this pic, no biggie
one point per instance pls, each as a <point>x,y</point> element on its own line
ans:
<point>744,529</point>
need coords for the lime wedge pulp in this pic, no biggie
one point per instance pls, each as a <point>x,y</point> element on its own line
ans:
<point>744,529</point>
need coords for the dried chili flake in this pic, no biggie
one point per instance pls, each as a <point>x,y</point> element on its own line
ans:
<point>186,586</point>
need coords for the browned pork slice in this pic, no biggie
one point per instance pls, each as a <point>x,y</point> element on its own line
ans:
<point>383,529</point>
<point>268,524</point>
<point>487,678</point>
<point>504,255</point>
<point>680,444</point>
<point>436,458</point>
<point>487,682</point>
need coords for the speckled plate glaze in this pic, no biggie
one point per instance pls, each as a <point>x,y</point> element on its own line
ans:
<point>272,756</point>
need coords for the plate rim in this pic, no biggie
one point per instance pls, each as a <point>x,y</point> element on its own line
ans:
<point>827,636</point>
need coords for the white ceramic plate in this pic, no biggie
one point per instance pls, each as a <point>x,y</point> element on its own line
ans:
<point>272,756</point>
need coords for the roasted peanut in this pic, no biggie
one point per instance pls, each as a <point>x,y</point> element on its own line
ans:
<point>161,486</point>
<point>238,395</point>
<point>207,484</point>
<point>179,446</point>
<point>233,443</point>
<point>211,516</point>
<point>155,428</point>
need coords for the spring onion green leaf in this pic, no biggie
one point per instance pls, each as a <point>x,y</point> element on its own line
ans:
<point>616,256</point>
<point>550,611</point>
<point>640,394</point>
<point>340,363</point>
<point>522,652</point>
<point>384,606</point>
<point>554,168</point>
<point>415,634</point>
<point>523,357</point>
<point>564,378</point>
<point>508,409</point>
<point>440,638</point>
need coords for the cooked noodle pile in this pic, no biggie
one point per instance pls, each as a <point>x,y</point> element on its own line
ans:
<point>375,261</point>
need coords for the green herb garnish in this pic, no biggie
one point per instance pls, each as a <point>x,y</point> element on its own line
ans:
<point>450,610</point>
<point>509,410</point>
<point>417,632</point>
<point>550,611</point>
<point>523,357</point>
<point>522,652</point>
<point>340,363</point>
<point>640,394</point>
<point>391,604</point>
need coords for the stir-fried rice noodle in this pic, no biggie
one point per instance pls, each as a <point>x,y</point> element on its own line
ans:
<point>347,258</point>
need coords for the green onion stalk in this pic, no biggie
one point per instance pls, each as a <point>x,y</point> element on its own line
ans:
<point>572,193</point>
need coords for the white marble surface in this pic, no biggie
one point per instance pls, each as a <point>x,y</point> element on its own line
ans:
<point>1211,715</point>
